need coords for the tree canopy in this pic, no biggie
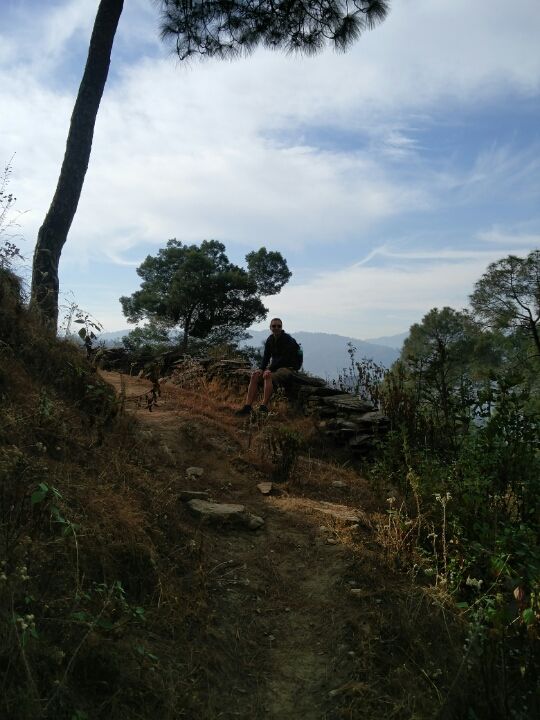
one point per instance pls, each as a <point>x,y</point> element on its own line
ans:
<point>197,289</point>
<point>226,28</point>
<point>437,355</point>
<point>507,296</point>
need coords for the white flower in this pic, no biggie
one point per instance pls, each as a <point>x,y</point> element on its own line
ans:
<point>473,582</point>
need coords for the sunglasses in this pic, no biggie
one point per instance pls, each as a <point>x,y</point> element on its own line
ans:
<point>275,326</point>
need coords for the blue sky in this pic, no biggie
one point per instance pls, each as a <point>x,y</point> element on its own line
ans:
<point>389,176</point>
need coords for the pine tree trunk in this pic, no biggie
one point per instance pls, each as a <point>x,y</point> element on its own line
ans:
<point>185,340</point>
<point>54,231</point>
<point>536,337</point>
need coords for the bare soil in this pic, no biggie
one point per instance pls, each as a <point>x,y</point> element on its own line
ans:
<point>304,618</point>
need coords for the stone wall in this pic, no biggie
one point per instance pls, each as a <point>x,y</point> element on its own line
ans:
<point>347,420</point>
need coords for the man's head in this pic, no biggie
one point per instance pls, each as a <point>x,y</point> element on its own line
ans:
<point>276,326</point>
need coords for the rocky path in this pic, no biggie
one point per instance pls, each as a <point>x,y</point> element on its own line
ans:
<point>290,625</point>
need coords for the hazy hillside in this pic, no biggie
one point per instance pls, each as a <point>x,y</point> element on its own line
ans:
<point>326,354</point>
<point>393,341</point>
<point>114,337</point>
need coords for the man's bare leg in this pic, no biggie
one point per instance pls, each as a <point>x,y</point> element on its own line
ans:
<point>253,387</point>
<point>268,388</point>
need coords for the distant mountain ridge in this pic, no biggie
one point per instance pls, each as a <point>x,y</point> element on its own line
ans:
<point>393,341</point>
<point>325,354</point>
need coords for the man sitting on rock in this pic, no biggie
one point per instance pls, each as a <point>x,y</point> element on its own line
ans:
<point>282,357</point>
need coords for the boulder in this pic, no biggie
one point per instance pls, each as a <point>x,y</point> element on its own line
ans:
<point>348,403</point>
<point>225,513</point>
<point>194,472</point>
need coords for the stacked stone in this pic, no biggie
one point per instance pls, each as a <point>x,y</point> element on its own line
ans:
<point>346,419</point>
<point>114,358</point>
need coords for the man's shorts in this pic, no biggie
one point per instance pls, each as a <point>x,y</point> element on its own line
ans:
<point>281,376</point>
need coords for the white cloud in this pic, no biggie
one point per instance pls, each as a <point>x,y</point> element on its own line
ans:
<point>206,150</point>
<point>365,300</point>
<point>36,38</point>
<point>514,240</point>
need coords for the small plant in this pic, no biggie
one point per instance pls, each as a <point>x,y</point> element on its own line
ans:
<point>73,314</point>
<point>362,378</point>
<point>106,607</point>
<point>46,407</point>
<point>284,446</point>
<point>8,252</point>
<point>443,499</point>
<point>19,474</point>
<point>190,375</point>
<point>398,534</point>
<point>8,249</point>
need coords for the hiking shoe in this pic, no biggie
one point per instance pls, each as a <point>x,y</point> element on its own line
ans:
<point>263,409</point>
<point>246,410</point>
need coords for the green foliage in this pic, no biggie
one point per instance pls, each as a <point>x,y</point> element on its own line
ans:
<point>464,455</point>
<point>437,355</point>
<point>227,28</point>
<point>8,249</point>
<point>507,296</point>
<point>268,270</point>
<point>89,326</point>
<point>151,337</point>
<point>197,289</point>
<point>19,476</point>
<point>362,378</point>
<point>105,607</point>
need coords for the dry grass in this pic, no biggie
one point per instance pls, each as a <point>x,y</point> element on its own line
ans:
<point>143,611</point>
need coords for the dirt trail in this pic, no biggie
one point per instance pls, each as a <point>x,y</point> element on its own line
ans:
<point>285,630</point>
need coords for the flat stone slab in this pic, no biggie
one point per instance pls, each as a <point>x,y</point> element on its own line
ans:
<point>361,441</point>
<point>317,391</point>
<point>344,425</point>
<point>348,403</point>
<point>231,364</point>
<point>338,512</point>
<point>186,495</point>
<point>195,471</point>
<point>225,513</point>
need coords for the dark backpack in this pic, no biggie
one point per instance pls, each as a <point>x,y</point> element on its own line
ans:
<point>299,359</point>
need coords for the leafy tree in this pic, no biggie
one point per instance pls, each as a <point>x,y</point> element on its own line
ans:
<point>199,290</point>
<point>507,296</point>
<point>438,355</point>
<point>268,271</point>
<point>221,28</point>
<point>151,335</point>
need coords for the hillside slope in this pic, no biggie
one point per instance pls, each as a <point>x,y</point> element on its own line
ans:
<point>118,601</point>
